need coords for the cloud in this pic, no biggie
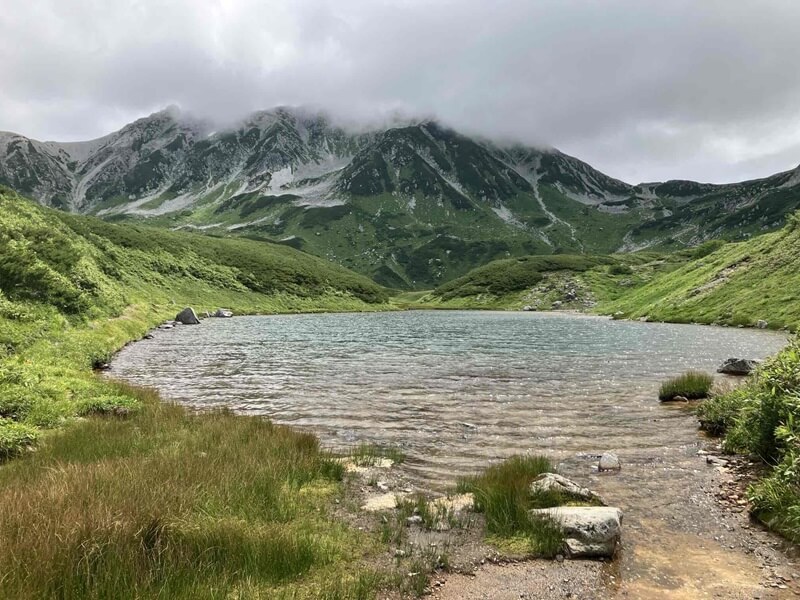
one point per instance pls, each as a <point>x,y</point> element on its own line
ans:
<point>641,89</point>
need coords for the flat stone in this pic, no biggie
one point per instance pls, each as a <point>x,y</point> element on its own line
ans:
<point>589,531</point>
<point>552,482</point>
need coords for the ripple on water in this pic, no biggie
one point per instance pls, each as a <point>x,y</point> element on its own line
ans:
<point>528,382</point>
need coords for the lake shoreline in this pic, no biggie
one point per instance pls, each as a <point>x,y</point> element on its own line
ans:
<point>553,571</point>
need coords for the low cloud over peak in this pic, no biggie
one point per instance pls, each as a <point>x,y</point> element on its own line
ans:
<point>641,89</point>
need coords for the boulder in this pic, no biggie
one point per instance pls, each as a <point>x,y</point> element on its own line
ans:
<point>762,324</point>
<point>609,462</point>
<point>222,313</point>
<point>187,316</point>
<point>589,531</point>
<point>557,304</point>
<point>738,366</point>
<point>527,308</point>
<point>552,482</point>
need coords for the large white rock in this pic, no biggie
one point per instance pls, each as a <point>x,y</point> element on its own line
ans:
<point>589,531</point>
<point>609,462</point>
<point>553,482</point>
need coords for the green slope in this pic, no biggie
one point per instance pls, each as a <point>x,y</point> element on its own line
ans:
<point>724,283</point>
<point>73,289</point>
<point>738,284</point>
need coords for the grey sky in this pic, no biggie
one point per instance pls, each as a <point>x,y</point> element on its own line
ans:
<point>643,90</point>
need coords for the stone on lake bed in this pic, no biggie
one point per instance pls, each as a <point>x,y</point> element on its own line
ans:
<point>609,462</point>
<point>738,366</point>
<point>187,316</point>
<point>589,531</point>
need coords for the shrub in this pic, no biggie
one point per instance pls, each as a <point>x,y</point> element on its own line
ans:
<point>14,438</point>
<point>692,385</point>
<point>620,270</point>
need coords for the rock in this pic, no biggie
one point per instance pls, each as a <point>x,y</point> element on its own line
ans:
<point>413,520</point>
<point>527,308</point>
<point>571,295</point>
<point>609,462</point>
<point>222,313</point>
<point>677,399</point>
<point>149,336</point>
<point>557,304</point>
<point>187,316</point>
<point>738,366</point>
<point>382,486</point>
<point>762,324</point>
<point>589,531</point>
<point>547,482</point>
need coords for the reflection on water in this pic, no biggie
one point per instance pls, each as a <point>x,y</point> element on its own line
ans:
<point>454,389</point>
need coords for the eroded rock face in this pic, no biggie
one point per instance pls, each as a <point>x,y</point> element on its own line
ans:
<point>187,316</point>
<point>738,366</point>
<point>552,482</point>
<point>589,531</point>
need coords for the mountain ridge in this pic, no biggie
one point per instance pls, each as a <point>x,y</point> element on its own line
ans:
<point>412,205</point>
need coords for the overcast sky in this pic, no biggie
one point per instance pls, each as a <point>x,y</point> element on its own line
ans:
<point>643,90</point>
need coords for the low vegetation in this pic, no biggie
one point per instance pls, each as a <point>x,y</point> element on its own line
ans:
<point>762,418</point>
<point>692,385</point>
<point>502,494</point>
<point>168,504</point>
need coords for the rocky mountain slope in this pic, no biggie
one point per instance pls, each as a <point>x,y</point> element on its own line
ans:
<point>411,205</point>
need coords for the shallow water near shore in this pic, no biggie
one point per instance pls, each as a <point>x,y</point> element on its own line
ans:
<point>454,390</point>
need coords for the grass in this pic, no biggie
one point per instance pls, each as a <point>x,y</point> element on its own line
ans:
<point>369,455</point>
<point>502,494</point>
<point>168,504</point>
<point>762,419</point>
<point>692,385</point>
<point>734,284</point>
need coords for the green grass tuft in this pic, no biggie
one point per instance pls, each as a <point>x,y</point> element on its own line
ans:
<point>693,385</point>
<point>502,493</point>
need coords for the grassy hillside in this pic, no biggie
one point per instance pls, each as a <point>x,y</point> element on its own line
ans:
<point>74,289</point>
<point>738,284</point>
<point>127,497</point>
<point>560,281</point>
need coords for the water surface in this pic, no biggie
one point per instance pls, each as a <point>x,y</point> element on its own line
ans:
<point>455,390</point>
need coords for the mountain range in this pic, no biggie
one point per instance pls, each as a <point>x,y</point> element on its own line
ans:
<point>411,205</point>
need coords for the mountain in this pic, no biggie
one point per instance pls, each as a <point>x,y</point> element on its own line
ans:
<point>410,205</point>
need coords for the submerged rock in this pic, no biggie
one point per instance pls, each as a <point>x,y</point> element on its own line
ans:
<point>552,482</point>
<point>187,316</point>
<point>589,531</point>
<point>222,313</point>
<point>738,366</point>
<point>609,462</point>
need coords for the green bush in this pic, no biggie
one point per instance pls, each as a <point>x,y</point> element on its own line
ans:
<point>692,385</point>
<point>14,438</point>
<point>620,269</point>
<point>762,418</point>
